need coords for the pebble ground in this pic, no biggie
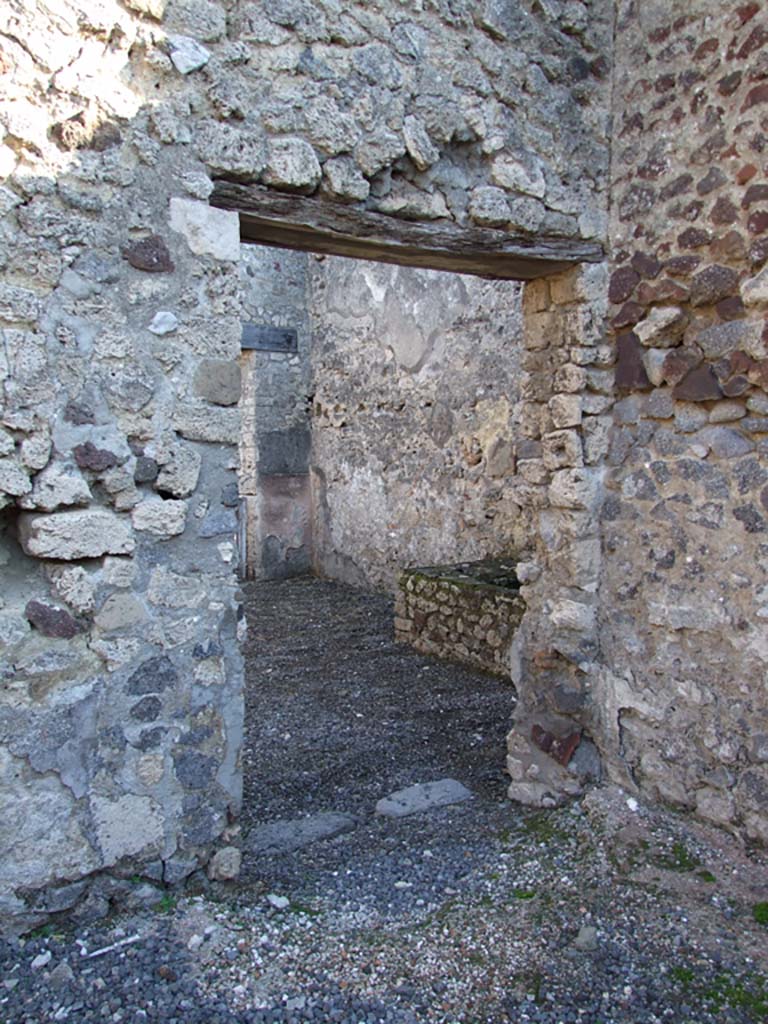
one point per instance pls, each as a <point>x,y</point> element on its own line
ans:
<point>604,911</point>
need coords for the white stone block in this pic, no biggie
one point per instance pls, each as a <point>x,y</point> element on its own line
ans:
<point>208,231</point>
<point>73,535</point>
<point>163,518</point>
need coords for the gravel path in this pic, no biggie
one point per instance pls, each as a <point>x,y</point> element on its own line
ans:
<point>603,912</point>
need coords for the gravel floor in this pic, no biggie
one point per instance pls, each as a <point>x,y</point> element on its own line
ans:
<point>605,912</point>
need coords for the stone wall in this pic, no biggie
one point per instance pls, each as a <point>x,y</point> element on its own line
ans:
<point>415,377</point>
<point>686,511</point>
<point>121,309</point>
<point>276,402</point>
<point>562,425</point>
<point>466,613</point>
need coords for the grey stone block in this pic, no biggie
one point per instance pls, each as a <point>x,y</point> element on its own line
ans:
<point>424,796</point>
<point>286,836</point>
<point>218,381</point>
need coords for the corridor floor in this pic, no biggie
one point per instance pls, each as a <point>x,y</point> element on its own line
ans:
<point>605,911</point>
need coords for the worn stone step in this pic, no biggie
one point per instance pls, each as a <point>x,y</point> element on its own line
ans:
<point>287,836</point>
<point>422,797</point>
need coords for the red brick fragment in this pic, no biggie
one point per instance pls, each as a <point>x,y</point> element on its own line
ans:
<point>704,49</point>
<point>745,174</point>
<point>559,748</point>
<point>746,12</point>
<point>755,96</point>
<point>756,39</point>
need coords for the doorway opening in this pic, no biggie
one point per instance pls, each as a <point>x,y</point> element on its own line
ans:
<point>379,434</point>
<point>378,418</point>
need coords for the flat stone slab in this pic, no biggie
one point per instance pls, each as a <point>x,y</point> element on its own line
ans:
<point>288,836</point>
<point>422,797</point>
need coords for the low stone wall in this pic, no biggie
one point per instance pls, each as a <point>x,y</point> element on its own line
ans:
<point>465,613</point>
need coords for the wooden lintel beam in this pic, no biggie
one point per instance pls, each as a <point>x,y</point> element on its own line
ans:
<point>312,225</point>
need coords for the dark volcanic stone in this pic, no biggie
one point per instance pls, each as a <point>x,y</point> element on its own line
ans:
<point>682,266</point>
<point>88,456</point>
<point>623,283</point>
<point>713,284</point>
<point>678,363</point>
<point>53,622</point>
<point>693,238</point>
<point>700,385</point>
<point>78,414</point>
<point>676,187</point>
<point>723,212</point>
<point>150,254</point>
<point>713,179</point>
<point>750,518</point>
<point>146,470</point>
<point>194,769</point>
<point>230,495</point>
<point>754,194</point>
<point>645,264</point>
<point>731,308</point>
<point>153,676</point>
<point>147,709</point>
<point>630,372</point>
<point>628,315</point>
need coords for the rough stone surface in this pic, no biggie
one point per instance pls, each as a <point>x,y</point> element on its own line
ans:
<point>465,613</point>
<point>218,382</point>
<point>443,419</point>
<point>415,473</point>
<point>424,796</point>
<point>280,837</point>
<point>208,232</point>
<point>160,517</point>
<point>72,535</point>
